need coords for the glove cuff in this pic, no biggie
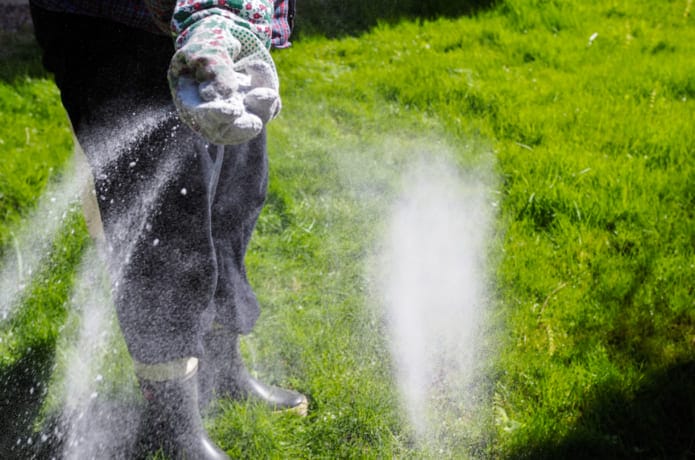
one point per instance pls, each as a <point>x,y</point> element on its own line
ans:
<point>252,15</point>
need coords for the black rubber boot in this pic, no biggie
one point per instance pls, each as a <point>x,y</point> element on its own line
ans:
<point>223,373</point>
<point>172,421</point>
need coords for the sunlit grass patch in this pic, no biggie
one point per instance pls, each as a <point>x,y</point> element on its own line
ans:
<point>585,112</point>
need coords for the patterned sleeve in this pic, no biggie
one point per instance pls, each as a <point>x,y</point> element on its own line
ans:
<point>283,23</point>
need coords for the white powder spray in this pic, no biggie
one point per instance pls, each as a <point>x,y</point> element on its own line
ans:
<point>32,239</point>
<point>92,425</point>
<point>92,408</point>
<point>433,287</point>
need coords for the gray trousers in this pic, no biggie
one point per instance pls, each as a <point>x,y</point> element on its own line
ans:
<point>175,250</point>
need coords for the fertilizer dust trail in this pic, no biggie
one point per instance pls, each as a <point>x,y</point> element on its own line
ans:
<point>32,239</point>
<point>434,292</point>
<point>86,411</point>
<point>89,425</point>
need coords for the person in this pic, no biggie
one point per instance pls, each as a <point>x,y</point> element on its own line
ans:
<point>169,102</point>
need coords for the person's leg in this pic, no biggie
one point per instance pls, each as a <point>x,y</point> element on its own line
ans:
<point>238,201</point>
<point>237,204</point>
<point>151,178</point>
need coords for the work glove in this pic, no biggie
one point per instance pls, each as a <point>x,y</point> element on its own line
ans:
<point>223,80</point>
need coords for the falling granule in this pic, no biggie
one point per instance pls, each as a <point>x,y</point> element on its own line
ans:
<point>184,191</point>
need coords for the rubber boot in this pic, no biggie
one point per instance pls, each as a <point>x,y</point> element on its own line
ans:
<point>223,373</point>
<point>172,421</point>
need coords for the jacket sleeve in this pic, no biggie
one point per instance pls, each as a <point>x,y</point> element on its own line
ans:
<point>283,23</point>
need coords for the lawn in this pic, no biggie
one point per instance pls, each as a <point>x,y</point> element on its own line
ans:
<point>578,118</point>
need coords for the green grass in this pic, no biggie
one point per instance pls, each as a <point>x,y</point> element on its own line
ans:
<point>35,142</point>
<point>593,254</point>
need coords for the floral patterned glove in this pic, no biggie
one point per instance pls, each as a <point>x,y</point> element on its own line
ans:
<point>223,80</point>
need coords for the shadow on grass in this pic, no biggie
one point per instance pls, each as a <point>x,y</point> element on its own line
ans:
<point>104,429</point>
<point>22,390</point>
<point>656,422</point>
<point>20,57</point>
<point>338,18</point>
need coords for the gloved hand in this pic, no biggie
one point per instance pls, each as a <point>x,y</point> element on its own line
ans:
<point>223,81</point>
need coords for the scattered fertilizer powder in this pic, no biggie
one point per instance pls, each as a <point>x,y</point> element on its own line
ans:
<point>33,238</point>
<point>432,286</point>
<point>90,419</point>
<point>81,420</point>
<point>433,290</point>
